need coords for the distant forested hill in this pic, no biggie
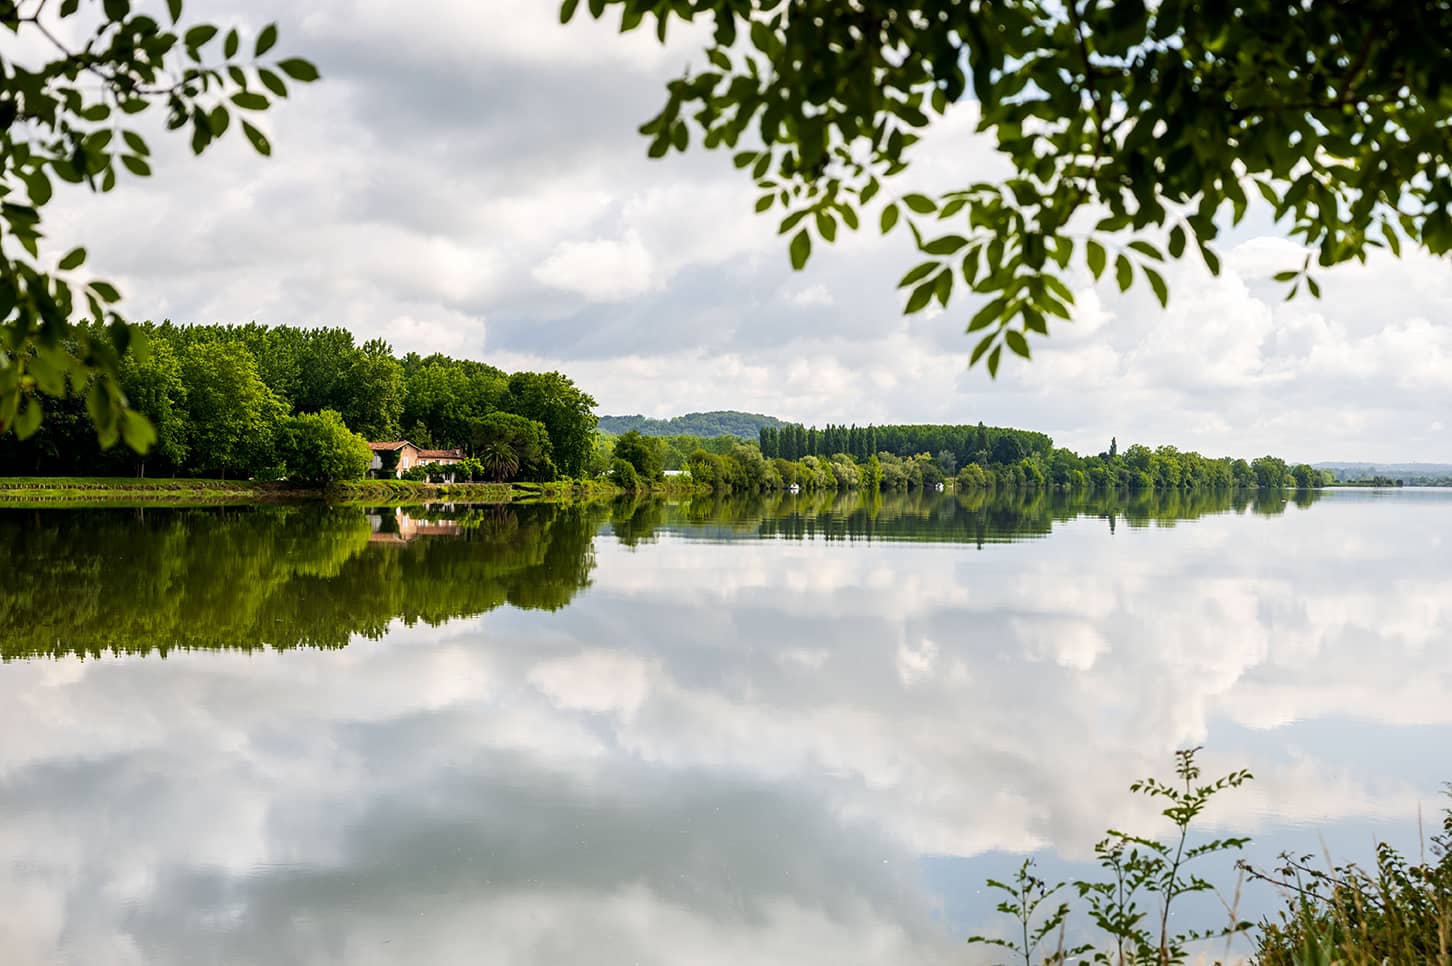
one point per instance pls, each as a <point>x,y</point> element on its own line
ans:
<point>1412,474</point>
<point>718,423</point>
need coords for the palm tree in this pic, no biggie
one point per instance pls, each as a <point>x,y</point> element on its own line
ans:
<point>499,460</point>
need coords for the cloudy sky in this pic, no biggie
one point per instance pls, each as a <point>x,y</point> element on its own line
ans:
<point>468,179</point>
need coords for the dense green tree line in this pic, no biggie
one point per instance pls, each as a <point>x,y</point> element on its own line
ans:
<point>675,450</point>
<point>256,400</point>
<point>972,457</point>
<point>986,444</point>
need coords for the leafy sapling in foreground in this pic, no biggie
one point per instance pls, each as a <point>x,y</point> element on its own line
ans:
<point>1132,907</point>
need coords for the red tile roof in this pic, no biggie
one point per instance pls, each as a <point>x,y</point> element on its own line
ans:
<point>390,447</point>
<point>440,454</point>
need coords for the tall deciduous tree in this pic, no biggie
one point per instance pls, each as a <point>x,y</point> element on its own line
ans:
<point>645,453</point>
<point>154,387</point>
<point>525,441</point>
<point>372,391</point>
<point>231,414</point>
<point>566,412</point>
<point>66,114</point>
<point>1133,130</point>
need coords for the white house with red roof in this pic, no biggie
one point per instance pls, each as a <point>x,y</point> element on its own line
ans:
<point>400,456</point>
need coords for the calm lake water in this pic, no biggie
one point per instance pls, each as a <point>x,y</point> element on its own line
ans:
<point>793,732</point>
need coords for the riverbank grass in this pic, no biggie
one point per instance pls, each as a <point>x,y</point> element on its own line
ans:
<point>77,491</point>
<point>70,490</point>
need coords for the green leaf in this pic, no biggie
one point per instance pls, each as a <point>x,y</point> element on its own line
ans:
<point>1017,342</point>
<point>917,273</point>
<point>1390,234</point>
<point>1056,285</point>
<point>922,204</point>
<point>1147,250</point>
<point>1212,260</point>
<point>1177,241</point>
<point>1157,283</point>
<point>567,10</point>
<point>801,249</point>
<point>136,166</point>
<point>791,221</point>
<point>989,314</point>
<point>105,290</point>
<point>1094,255</point>
<point>826,226</point>
<point>199,35</point>
<point>272,82</point>
<point>39,187</point>
<point>1286,276</point>
<point>984,344</point>
<point>920,297</point>
<point>267,39</point>
<point>137,431</point>
<point>259,140</point>
<point>299,69</point>
<point>889,218</point>
<point>1313,287</point>
<point>174,8</point>
<point>74,259</point>
<point>993,358</point>
<point>250,101</point>
<point>943,286</point>
<point>135,142</point>
<point>1123,272</point>
<point>231,44</point>
<point>27,421</point>
<point>103,415</point>
<point>946,245</point>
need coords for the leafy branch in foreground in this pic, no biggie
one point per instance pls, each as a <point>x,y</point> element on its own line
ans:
<point>1139,868</point>
<point>69,119</point>
<point>1132,130</point>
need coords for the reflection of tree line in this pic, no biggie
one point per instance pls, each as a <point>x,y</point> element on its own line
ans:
<point>154,580</point>
<point>143,581</point>
<point>976,517</point>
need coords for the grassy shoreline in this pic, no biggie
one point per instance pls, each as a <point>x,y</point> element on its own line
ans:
<point>125,491</point>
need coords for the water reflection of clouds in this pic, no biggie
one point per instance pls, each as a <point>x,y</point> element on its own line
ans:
<point>731,751</point>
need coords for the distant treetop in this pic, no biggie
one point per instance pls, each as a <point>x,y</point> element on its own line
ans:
<point>728,422</point>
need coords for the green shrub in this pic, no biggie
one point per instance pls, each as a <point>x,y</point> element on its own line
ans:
<point>623,475</point>
<point>1398,913</point>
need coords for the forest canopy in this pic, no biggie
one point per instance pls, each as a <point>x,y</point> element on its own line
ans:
<point>231,401</point>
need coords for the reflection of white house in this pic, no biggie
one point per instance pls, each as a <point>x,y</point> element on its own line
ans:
<point>403,456</point>
<point>400,527</point>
